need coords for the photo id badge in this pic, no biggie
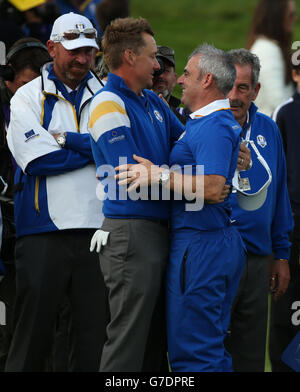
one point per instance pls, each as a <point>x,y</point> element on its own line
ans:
<point>244,184</point>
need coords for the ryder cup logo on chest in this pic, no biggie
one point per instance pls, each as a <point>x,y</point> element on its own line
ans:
<point>158,115</point>
<point>261,141</point>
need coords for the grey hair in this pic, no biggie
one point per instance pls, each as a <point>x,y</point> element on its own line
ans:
<point>219,64</point>
<point>245,57</point>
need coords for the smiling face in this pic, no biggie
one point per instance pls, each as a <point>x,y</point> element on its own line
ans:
<point>242,93</point>
<point>191,85</point>
<point>71,66</point>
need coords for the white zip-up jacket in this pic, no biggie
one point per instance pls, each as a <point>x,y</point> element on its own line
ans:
<point>55,186</point>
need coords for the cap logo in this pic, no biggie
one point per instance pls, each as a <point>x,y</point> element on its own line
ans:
<point>80,26</point>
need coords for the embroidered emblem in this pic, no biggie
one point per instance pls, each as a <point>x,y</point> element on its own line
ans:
<point>261,141</point>
<point>115,138</point>
<point>30,135</point>
<point>158,116</point>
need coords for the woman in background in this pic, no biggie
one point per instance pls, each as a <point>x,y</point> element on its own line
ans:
<point>270,38</point>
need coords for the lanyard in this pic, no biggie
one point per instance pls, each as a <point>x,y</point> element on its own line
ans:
<point>248,133</point>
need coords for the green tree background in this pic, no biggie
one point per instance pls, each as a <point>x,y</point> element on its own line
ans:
<point>185,24</point>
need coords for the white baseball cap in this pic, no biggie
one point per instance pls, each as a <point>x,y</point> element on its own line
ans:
<point>74,31</point>
<point>253,201</point>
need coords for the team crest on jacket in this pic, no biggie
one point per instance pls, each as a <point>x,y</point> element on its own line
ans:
<point>261,141</point>
<point>158,116</point>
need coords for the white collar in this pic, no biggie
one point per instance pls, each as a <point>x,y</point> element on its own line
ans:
<point>220,104</point>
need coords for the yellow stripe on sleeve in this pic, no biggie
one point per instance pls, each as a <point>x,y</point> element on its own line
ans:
<point>104,108</point>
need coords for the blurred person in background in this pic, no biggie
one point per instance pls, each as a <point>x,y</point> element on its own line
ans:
<point>24,60</point>
<point>32,18</point>
<point>108,10</point>
<point>270,38</point>
<point>282,329</point>
<point>165,79</point>
<point>10,22</point>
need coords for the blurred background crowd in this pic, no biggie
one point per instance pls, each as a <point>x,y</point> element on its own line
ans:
<point>267,30</point>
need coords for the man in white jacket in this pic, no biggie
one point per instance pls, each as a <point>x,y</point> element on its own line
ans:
<point>56,208</point>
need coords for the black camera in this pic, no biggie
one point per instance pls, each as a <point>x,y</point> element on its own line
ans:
<point>162,67</point>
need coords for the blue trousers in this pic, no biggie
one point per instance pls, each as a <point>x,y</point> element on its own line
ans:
<point>202,279</point>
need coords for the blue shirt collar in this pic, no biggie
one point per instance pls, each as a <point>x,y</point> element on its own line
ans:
<point>73,98</point>
<point>250,118</point>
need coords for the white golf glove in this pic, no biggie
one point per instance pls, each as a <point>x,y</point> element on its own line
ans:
<point>99,239</point>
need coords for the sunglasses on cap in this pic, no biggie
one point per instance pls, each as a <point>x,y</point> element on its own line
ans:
<point>70,35</point>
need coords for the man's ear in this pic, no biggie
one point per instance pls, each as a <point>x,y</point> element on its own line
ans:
<point>256,91</point>
<point>51,48</point>
<point>175,80</point>
<point>207,80</point>
<point>129,56</point>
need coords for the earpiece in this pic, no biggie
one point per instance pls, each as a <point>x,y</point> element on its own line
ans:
<point>6,71</point>
<point>22,46</point>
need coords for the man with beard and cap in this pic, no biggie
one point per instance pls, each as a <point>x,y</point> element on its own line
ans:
<point>56,208</point>
<point>264,230</point>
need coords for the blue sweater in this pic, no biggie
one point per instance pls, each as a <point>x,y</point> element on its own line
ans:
<point>267,229</point>
<point>123,123</point>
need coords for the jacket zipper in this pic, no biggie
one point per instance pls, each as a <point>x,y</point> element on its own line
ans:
<point>37,180</point>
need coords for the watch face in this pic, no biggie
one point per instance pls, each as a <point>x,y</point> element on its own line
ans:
<point>61,140</point>
<point>164,176</point>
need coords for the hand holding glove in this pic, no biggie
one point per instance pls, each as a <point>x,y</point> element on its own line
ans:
<point>99,239</point>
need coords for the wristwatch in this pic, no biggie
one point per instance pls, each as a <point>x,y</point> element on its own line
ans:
<point>61,140</point>
<point>164,176</point>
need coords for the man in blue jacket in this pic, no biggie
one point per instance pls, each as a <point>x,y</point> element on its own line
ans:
<point>265,230</point>
<point>127,119</point>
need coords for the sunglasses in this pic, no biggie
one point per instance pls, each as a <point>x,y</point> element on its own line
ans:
<point>70,35</point>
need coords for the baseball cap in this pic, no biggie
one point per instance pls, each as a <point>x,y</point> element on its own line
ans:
<point>74,31</point>
<point>166,53</point>
<point>252,201</point>
<point>24,5</point>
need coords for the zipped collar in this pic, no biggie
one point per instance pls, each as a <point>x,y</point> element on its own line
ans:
<point>93,83</point>
<point>220,104</point>
<point>62,88</point>
<point>117,82</point>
